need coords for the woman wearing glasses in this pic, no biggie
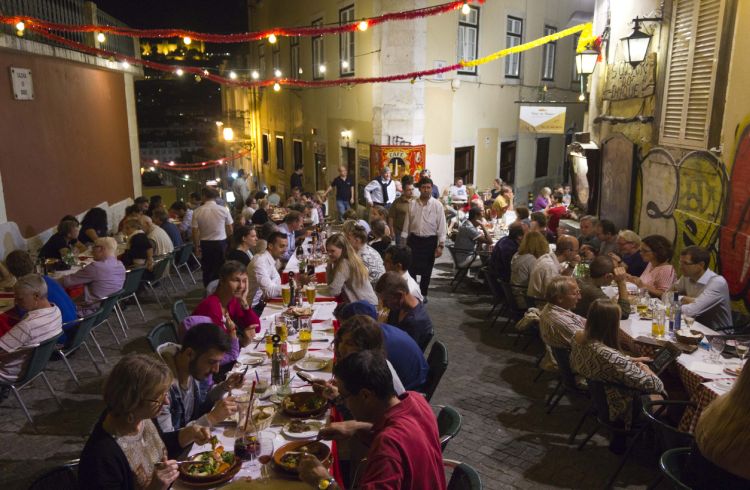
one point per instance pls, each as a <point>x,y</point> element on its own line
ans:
<point>659,274</point>
<point>126,450</point>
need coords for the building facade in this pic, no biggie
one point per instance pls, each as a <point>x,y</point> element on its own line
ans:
<point>467,120</point>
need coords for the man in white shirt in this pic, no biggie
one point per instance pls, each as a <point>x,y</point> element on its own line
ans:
<point>458,192</point>
<point>706,294</point>
<point>381,191</point>
<point>212,224</point>
<point>293,222</point>
<point>240,189</point>
<point>424,230</point>
<point>162,243</point>
<point>264,280</point>
<point>549,266</point>
<point>397,258</point>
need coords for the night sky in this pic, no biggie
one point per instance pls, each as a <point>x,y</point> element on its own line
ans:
<point>217,16</point>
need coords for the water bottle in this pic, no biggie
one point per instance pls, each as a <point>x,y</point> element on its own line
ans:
<point>677,309</point>
<point>277,376</point>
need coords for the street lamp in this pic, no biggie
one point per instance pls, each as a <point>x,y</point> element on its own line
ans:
<point>586,62</point>
<point>636,44</point>
<point>228,134</point>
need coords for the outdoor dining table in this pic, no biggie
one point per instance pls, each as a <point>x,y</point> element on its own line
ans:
<point>703,380</point>
<point>320,347</point>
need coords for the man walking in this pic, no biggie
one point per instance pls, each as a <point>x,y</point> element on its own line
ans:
<point>212,224</point>
<point>424,230</point>
<point>344,187</point>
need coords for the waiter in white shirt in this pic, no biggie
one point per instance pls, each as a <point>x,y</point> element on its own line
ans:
<point>424,230</point>
<point>212,224</point>
<point>263,280</point>
<point>382,190</point>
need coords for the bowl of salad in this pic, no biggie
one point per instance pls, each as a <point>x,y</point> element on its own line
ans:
<point>210,468</point>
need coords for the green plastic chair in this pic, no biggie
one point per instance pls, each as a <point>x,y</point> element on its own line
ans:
<point>161,334</point>
<point>80,334</point>
<point>159,274</point>
<point>464,477</point>
<point>129,289</point>
<point>179,312</point>
<point>40,356</point>
<point>449,424</point>
<point>106,307</point>
<point>181,258</point>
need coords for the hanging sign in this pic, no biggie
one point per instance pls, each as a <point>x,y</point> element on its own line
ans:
<point>402,159</point>
<point>542,119</point>
<point>23,89</point>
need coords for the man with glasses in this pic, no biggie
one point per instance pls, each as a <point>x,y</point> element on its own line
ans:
<point>550,265</point>
<point>557,322</point>
<point>401,431</point>
<point>706,294</point>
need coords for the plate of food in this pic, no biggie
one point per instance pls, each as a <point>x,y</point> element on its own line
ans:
<point>303,404</point>
<point>299,311</point>
<point>302,429</point>
<point>210,468</point>
<point>312,363</point>
<point>288,456</point>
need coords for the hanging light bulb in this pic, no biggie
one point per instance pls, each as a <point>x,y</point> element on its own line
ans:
<point>363,25</point>
<point>179,72</point>
<point>465,9</point>
<point>187,40</point>
<point>101,37</point>
<point>125,64</point>
<point>254,75</point>
<point>20,27</point>
<point>272,39</point>
<point>232,75</point>
<point>205,73</point>
<point>345,64</point>
<point>276,87</point>
<point>322,68</point>
<point>581,97</point>
<point>277,73</point>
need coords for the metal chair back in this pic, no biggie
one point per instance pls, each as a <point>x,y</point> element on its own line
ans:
<point>82,330</point>
<point>161,334</point>
<point>160,269</point>
<point>132,280</point>
<point>562,357</point>
<point>179,312</point>
<point>106,305</point>
<point>672,463</point>
<point>37,362</point>
<point>182,254</point>
<point>437,362</point>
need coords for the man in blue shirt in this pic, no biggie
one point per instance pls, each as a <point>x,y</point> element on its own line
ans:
<point>403,353</point>
<point>292,222</point>
<point>504,249</point>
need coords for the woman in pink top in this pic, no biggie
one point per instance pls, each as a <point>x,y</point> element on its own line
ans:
<point>659,274</point>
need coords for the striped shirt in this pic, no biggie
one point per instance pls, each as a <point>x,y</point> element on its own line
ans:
<point>660,277</point>
<point>33,329</point>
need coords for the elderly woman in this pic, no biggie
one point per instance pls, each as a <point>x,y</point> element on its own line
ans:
<point>346,273</point>
<point>659,275</point>
<point>722,441</point>
<point>126,450</point>
<point>533,246</point>
<point>596,354</point>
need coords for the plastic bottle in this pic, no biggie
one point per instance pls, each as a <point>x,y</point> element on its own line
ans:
<point>677,312</point>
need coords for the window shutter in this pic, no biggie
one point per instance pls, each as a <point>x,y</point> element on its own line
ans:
<point>691,72</point>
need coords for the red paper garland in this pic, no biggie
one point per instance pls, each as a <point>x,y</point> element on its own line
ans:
<point>208,164</point>
<point>238,37</point>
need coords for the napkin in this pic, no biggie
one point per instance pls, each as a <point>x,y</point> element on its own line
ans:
<point>707,368</point>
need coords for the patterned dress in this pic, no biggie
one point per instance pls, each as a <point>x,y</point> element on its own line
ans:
<point>141,451</point>
<point>596,361</point>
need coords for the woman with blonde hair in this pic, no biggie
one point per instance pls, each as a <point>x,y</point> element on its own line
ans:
<point>346,273</point>
<point>126,450</point>
<point>722,441</point>
<point>533,246</point>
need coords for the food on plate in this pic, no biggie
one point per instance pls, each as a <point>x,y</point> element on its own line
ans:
<point>290,460</point>
<point>299,311</point>
<point>685,332</point>
<point>213,463</point>
<point>298,426</point>
<point>307,404</point>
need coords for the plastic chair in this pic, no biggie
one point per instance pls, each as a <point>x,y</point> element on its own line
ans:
<point>462,270</point>
<point>437,363</point>
<point>81,332</point>
<point>106,307</point>
<point>464,477</point>
<point>158,275</point>
<point>179,312</point>
<point>161,334</point>
<point>63,477</point>
<point>599,406</point>
<point>181,258</point>
<point>671,464</point>
<point>515,311</point>
<point>498,297</point>
<point>449,424</point>
<point>129,289</point>
<point>566,383</point>
<point>40,356</point>
<point>426,341</point>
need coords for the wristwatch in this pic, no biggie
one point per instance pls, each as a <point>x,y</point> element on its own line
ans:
<point>326,483</point>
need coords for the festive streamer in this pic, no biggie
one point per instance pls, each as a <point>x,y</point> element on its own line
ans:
<point>208,164</point>
<point>310,31</point>
<point>310,83</point>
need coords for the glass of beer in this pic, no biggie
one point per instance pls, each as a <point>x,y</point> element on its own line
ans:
<point>286,294</point>
<point>281,328</point>
<point>310,292</point>
<point>269,343</point>
<point>305,329</point>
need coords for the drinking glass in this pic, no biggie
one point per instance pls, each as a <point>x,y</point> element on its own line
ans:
<point>742,349</point>
<point>689,320</point>
<point>717,347</point>
<point>286,294</point>
<point>246,445</point>
<point>264,453</point>
<point>281,328</point>
<point>310,291</point>
<point>269,343</point>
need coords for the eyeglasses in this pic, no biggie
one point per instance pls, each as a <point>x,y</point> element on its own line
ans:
<point>161,401</point>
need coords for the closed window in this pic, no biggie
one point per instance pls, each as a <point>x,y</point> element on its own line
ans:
<point>542,157</point>
<point>468,38</point>
<point>294,58</point>
<point>280,152</point>
<point>297,150</point>
<point>264,147</point>
<point>549,51</point>
<point>346,42</point>
<point>513,36</point>
<point>691,72</point>
<point>318,62</point>
<point>262,60</point>
<point>276,57</point>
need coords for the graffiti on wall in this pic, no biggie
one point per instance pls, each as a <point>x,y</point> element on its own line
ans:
<point>683,199</point>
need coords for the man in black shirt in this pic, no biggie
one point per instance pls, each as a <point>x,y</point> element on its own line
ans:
<point>344,191</point>
<point>296,179</point>
<point>61,242</point>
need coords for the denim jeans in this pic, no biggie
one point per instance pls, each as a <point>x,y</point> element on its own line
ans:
<point>342,207</point>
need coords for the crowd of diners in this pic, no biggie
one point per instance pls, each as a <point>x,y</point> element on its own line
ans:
<point>156,406</point>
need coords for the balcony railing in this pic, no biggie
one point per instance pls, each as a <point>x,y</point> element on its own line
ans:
<point>69,12</point>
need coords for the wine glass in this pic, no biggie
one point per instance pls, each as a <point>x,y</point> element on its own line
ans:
<point>689,320</point>
<point>742,349</point>
<point>717,347</point>
<point>265,453</point>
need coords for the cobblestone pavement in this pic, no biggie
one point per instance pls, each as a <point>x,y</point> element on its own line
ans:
<point>506,434</point>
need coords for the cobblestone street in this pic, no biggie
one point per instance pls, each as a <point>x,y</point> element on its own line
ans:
<point>506,434</point>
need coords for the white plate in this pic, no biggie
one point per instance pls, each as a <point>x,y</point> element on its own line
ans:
<point>723,384</point>
<point>253,359</point>
<point>315,424</point>
<point>312,363</point>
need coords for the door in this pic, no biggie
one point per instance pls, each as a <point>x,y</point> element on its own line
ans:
<point>508,161</point>
<point>463,165</point>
